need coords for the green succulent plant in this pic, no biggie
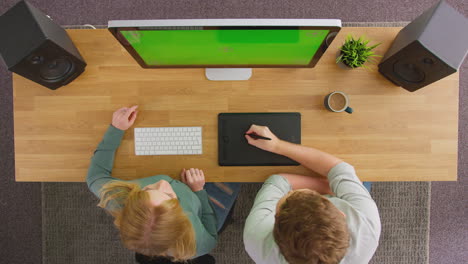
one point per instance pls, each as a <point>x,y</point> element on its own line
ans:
<point>355,52</point>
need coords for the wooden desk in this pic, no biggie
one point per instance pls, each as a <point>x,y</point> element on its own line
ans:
<point>394,135</point>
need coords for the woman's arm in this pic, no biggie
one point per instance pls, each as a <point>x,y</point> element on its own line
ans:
<point>209,233</point>
<point>208,219</point>
<point>195,180</point>
<point>100,169</point>
<point>99,172</point>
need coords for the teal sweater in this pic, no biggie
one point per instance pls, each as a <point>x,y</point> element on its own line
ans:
<point>195,204</point>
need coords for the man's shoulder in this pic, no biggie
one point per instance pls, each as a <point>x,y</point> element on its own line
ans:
<point>262,248</point>
<point>364,234</point>
<point>356,218</point>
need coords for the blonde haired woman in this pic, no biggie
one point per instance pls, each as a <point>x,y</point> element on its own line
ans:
<point>157,216</point>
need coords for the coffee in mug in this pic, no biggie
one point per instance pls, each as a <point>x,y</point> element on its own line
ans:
<point>338,102</point>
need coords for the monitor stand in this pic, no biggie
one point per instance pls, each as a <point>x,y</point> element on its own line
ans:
<point>228,74</point>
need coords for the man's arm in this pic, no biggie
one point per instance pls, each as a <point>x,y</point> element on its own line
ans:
<point>342,178</point>
<point>317,184</point>
<point>313,159</point>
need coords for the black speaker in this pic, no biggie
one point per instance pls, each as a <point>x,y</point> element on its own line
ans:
<point>428,49</point>
<point>33,46</point>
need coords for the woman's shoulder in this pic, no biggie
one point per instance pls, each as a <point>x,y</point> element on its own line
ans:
<point>152,179</point>
<point>157,178</point>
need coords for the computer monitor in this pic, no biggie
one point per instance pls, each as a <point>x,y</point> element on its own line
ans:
<point>227,48</point>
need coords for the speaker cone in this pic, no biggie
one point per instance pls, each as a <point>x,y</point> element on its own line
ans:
<point>409,72</point>
<point>56,70</point>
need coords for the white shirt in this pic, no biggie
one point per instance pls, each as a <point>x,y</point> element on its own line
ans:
<point>351,197</point>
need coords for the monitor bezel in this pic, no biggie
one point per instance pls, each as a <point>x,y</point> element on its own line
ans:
<point>334,26</point>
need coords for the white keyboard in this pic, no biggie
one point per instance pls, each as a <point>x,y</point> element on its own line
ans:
<point>168,141</point>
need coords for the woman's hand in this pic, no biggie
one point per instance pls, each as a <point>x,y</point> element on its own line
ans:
<point>268,145</point>
<point>124,117</point>
<point>194,178</point>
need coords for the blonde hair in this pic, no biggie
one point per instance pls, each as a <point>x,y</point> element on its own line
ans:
<point>309,229</point>
<point>163,230</point>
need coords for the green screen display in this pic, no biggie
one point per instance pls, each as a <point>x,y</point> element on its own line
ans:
<point>226,47</point>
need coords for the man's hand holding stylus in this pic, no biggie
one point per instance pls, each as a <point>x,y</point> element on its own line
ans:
<point>268,145</point>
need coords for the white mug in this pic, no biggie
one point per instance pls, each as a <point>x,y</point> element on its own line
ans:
<point>346,107</point>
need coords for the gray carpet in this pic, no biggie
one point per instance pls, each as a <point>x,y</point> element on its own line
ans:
<point>230,248</point>
<point>76,231</point>
<point>404,212</point>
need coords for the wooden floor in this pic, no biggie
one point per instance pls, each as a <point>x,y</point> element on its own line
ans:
<point>393,135</point>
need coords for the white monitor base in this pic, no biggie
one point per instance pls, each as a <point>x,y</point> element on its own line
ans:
<point>228,74</point>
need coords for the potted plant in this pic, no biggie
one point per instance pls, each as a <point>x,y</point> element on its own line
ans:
<point>355,53</point>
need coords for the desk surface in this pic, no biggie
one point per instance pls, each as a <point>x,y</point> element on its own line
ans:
<point>393,135</point>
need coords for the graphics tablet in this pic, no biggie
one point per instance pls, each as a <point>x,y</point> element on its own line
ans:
<point>233,148</point>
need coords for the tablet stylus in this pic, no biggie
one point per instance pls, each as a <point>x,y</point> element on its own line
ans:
<point>255,136</point>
